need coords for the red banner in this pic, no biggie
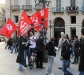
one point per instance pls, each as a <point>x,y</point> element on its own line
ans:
<point>36,19</point>
<point>24,24</point>
<point>8,28</point>
<point>44,13</point>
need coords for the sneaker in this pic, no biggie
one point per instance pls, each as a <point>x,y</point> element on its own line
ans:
<point>21,69</point>
<point>60,68</point>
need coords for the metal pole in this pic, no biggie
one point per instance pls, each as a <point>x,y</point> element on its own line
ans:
<point>50,32</point>
<point>10,9</point>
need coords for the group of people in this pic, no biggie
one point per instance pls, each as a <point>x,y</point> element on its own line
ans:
<point>28,45</point>
<point>76,48</point>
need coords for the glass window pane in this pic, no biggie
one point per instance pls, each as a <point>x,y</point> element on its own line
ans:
<point>58,3</point>
<point>15,2</point>
<point>73,2</point>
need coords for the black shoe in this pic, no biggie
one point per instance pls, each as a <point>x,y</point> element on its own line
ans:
<point>73,63</point>
<point>41,67</point>
<point>11,52</point>
<point>25,66</point>
<point>76,62</point>
<point>60,68</point>
<point>37,67</point>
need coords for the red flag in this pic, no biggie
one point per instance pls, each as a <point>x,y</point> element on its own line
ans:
<point>44,13</point>
<point>8,28</point>
<point>38,28</point>
<point>46,23</point>
<point>24,24</point>
<point>36,19</point>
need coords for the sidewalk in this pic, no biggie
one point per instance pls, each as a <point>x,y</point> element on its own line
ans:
<point>8,65</point>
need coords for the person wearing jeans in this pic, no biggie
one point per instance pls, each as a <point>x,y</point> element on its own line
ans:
<point>64,67</point>
<point>26,53</point>
<point>20,66</point>
<point>65,55</point>
<point>51,54</point>
<point>51,61</point>
<point>20,56</point>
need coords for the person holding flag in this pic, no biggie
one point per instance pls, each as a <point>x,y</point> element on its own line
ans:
<point>20,57</point>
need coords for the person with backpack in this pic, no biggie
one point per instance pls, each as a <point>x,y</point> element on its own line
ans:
<point>50,46</point>
<point>65,55</point>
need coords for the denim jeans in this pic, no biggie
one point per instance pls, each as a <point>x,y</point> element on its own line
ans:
<point>20,66</point>
<point>81,73</point>
<point>51,61</point>
<point>13,48</point>
<point>26,52</point>
<point>72,51</point>
<point>64,67</point>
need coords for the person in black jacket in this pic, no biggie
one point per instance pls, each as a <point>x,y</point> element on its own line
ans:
<point>26,51</point>
<point>81,64</point>
<point>65,55</point>
<point>39,48</point>
<point>51,54</point>
<point>76,49</point>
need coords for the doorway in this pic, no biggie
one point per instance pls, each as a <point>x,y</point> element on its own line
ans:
<point>59,26</point>
<point>73,32</point>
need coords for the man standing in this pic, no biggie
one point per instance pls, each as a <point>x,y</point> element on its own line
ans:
<point>32,42</point>
<point>81,64</point>
<point>39,48</point>
<point>26,52</point>
<point>65,55</point>
<point>60,48</point>
<point>76,49</point>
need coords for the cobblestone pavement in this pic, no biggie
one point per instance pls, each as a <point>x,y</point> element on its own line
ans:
<point>8,65</point>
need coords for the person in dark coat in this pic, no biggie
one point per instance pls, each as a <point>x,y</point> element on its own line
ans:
<point>39,48</point>
<point>76,49</point>
<point>81,64</point>
<point>50,46</point>
<point>65,55</point>
<point>20,57</point>
<point>9,44</point>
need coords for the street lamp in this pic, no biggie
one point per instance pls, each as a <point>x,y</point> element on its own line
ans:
<point>50,26</point>
<point>44,31</point>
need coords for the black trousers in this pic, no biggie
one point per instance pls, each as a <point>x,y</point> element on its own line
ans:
<point>76,54</point>
<point>39,61</point>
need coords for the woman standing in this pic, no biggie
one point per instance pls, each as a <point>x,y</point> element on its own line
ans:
<point>20,57</point>
<point>51,54</point>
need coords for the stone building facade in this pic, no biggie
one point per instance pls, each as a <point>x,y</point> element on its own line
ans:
<point>66,15</point>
